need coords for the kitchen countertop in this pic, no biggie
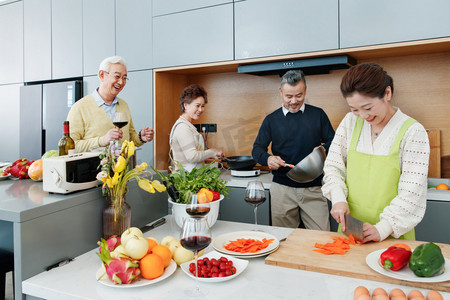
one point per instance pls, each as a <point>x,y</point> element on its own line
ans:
<point>257,281</point>
<point>266,178</point>
<point>241,182</point>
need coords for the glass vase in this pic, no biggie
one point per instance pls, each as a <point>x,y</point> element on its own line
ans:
<point>116,217</point>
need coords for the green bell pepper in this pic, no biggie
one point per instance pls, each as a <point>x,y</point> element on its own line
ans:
<point>427,260</point>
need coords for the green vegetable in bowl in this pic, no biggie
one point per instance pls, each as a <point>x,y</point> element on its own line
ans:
<point>189,183</point>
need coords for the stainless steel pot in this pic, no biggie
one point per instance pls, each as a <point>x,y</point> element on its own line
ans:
<point>310,167</point>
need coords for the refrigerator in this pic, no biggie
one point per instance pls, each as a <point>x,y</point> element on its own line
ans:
<point>43,109</point>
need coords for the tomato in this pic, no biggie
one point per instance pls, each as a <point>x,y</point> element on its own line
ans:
<point>210,268</point>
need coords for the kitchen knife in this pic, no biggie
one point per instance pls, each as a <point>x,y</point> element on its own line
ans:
<point>355,227</point>
<point>153,225</point>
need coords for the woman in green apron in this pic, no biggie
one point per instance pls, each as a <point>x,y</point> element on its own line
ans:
<point>377,166</point>
<point>187,145</point>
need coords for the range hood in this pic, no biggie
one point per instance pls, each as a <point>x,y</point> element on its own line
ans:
<point>309,66</point>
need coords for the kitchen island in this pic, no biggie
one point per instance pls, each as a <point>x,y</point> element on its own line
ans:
<point>77,280</point>
<point>43,228</point>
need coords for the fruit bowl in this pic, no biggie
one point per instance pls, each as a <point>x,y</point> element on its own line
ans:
<point>179,212</point>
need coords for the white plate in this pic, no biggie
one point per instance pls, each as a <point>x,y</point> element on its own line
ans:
<point>373,261</point>
<point>139,282</point>
<point>255,255</point>
<point>222,240</point>
<point>5,177</point>
<point>239,264</point>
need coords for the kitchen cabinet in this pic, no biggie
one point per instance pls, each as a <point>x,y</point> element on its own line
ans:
<point>269,27</point>
<point>98,33</point>
<point>10,101</point>
<point>164,7</point>
<point>134,33</point>
<point>138,93</point>
<point>383,21</point>
<point>235,209</point>
<point>67,38</point>
<point>11,41</point>
<point>37,39</point>
<point>196,36</point>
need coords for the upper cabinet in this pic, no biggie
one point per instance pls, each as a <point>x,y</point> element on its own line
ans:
<point>99,38</point>
<point>37,38</point>
<point>195,36</point>
<point>374,22</point>
<point>134,33</point>
<point>11,43</point>
<point>164,7</point>
<point>270,27</point>
<point>67,38</point>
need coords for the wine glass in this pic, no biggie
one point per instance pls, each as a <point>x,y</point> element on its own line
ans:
<point>196,235</point>
<point>120,119</point>
<point>255,195</point>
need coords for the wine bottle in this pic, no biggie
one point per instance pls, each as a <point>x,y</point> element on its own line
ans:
<point>66,143</point>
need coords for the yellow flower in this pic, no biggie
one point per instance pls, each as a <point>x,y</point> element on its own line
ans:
<point>141,167</point>
<point>130,148</point>
<point>108,182</point>
<point>115,179</point>
<point>158,186</point>
<point>120,164</point>
<point>146,185</point>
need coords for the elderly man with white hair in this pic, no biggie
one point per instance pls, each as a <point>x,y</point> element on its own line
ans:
<point>91,118</point>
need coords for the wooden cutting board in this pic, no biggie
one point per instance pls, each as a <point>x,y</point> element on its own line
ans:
<point>297,252</point>
<point>434,167</point>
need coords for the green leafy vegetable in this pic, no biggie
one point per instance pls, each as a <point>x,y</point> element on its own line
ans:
<point>189,183</point>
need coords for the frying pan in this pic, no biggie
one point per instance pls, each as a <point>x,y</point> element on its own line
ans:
<point>240,162</point>
<point>310,167</point>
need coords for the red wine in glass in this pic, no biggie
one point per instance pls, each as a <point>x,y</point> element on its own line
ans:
<point>120,124</point>
<point>255,195</point>
<point>197,211</point>
<point>195,242</point>
<point>256,200</point>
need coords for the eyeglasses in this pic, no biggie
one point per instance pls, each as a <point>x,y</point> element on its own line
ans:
<point>117,76</point>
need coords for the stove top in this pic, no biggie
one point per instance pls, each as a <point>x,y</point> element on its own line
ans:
<point>246,173</point>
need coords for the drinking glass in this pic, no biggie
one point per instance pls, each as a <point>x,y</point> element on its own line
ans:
<point>120,119</point>
<point>255,195</point>
<point>196,236</point>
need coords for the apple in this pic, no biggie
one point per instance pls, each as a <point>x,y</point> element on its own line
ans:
<point>129,233</point>
<point>173,245</point>
<point>167,239</point>
<point>136,247</point>
<point>119,252</point>
<point>182,255</point>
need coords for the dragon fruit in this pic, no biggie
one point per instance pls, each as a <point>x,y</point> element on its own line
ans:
<point>113,242</point>
<point>121,270</point>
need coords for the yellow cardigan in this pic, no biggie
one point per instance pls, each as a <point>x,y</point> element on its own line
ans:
<point>89,123</point>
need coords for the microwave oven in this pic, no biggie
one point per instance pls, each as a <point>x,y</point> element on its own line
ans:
<point>70,173</point>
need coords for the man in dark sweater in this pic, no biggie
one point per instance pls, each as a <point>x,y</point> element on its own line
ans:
<point>294,130</point>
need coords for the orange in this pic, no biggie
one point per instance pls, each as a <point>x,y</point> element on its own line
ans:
<point>151,266</point>
<point>151,243</point>
<point>164,253</point>
<point>442,186</point>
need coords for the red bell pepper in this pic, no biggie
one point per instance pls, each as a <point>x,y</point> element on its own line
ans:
<point>395,258</point>
<point>216,195</point>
